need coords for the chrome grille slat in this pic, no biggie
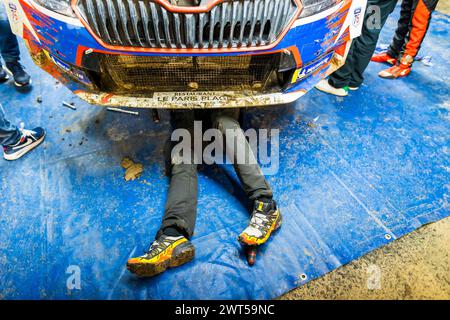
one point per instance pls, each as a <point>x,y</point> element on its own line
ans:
<point>155,24</point>
<point>244,20</point>
<point>177,27</point>
<point>201,23</point>
<point>147,24</point>
<point>113,21</point>
<point>124,21</point>
<point>234,19</point>
<point>277,20</point>
<point>255,17</point>
<point>91,17</point>
<point>166,22</point>
<point>263,20</point>
<point>102,12</point>
<point>135,21</point>
<point>212,24</point>
<point>223,19</point>
<point>189,25</point>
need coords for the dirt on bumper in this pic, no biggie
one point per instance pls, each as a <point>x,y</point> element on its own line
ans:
<point>191,100</point>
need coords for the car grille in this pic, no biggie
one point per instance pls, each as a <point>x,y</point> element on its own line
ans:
<point>147,24</point>
<point>144,74</point>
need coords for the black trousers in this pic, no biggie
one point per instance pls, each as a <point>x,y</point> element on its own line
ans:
<point>9,46</point>
<point>181,204</point>
<point>363,47</point>
<point>415,16</point>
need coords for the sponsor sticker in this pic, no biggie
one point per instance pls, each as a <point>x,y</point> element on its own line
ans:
<point>13,12</point>
<point>194,97</point>
<point>357,16</point>
<point>307,70</point>
<point>67,68</point>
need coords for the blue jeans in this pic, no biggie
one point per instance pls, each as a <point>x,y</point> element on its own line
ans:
<point>9,134</point>
<point>8,42</point>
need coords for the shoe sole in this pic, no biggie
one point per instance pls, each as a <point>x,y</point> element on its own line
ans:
<point>24,151</point>
<point>15,83</point>
<point>385,62</point>
<point>151,270</point>
<point>393,77</point>
<point>6,78</point>
<point>332,93</point>
<point>387,77</point>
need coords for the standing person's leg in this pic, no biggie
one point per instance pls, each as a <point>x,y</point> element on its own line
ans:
<point>4,34</point>
<point>11,55</point>
<point>403,26</point>
<point>361,50</point>
<point>341,77</point>
<point>419,23</point>
<point>266,216</point>
<point>365,45</point>
<point>9,134</point>
<point>172,247</point>
<point>9,45</point>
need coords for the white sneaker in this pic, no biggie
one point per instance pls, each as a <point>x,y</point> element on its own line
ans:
<point>324,86</point>
<point>353,88</point>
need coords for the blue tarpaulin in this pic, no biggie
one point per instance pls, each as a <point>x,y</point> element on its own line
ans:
<point>355,174</point>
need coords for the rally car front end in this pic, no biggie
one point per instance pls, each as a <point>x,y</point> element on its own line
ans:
<point>187,53</point>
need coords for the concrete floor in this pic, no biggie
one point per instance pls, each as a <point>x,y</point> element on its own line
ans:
<point>444,6</point>
<point>416,266</point>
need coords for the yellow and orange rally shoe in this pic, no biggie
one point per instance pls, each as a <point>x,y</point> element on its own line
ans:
<point>383,57</point>
<point>166,252</point>
<point>398,71</point>
<point>266,218</point>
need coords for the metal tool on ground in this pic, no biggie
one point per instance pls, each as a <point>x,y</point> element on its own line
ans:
<point>123,111</point>
<point>68,105</point>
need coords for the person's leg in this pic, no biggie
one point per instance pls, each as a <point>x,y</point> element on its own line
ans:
<point>181,203</point>
<point>420,21</point>
<point>402,30</point>
<point>8,43</point>
<point>249,172</point>
<point>341,77</point>
<point>9,133</point>
<point>172,247</point>
<point>266,217</point>
<point>365,45</point>
<point>361,50</point>
<point>11,55</point>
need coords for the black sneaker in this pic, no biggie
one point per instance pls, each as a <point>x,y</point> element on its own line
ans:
<point>166,252</point>
<point>266,218</point>
<point>21,78</point>
<point>30,140</point>
<point>3,74</point>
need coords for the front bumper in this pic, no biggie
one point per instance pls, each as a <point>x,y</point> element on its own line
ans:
<point>66,47</point>
<point>192,100</point>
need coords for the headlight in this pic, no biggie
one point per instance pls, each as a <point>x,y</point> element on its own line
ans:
<point>59,6</point>
<point>311,7</point>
